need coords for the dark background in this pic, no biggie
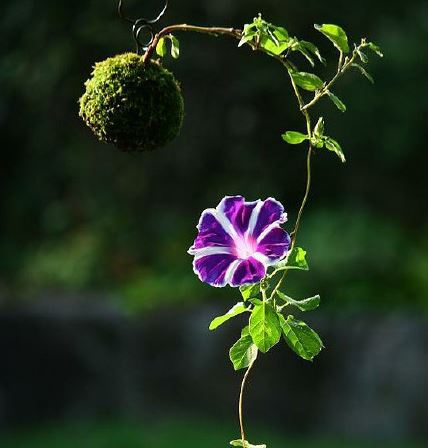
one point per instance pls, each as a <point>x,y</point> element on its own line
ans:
<point>103,325</point>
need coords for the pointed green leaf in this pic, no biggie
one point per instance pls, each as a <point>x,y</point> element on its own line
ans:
<point>175,47</point>
<point>364,72</point>
<point>276,40</point>
<point>319,128</point>
<point>307,81</point>
<point>296,259</point>
<point>246,444</point>
<point>336,34</point>
<point>249,291</point>
<point>313,49</point>
<point>300,337</point>
<point>264,327</point>
<point>244,351</point>
<point>294,138</point>
<point>363,57</point>
<point>333,145</point>
<point>308,304</point>
<point>237,309</point>
<point>337,101</point>
<point>247,37</point>
<point>373,47</point>
<point>304,51</point>
<point>161,48</point>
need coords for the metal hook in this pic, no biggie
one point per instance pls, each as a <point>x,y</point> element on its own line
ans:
<point>139,25</point>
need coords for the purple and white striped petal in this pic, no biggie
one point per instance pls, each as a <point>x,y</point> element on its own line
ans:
<point>216,269</point>
<point>274,243</point>
<point>248,272</point>
<point>266,213</point>
<point>238,240</point>
<point>211,232</point>
<point>237,211</point>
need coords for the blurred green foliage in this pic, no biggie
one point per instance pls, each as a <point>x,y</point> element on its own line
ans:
<point>180,433</point>
<point>79,215</point>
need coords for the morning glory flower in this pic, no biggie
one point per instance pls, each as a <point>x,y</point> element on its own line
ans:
<point>237,241</point>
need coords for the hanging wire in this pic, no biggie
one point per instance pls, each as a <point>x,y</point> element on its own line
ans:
<point>140,25</point>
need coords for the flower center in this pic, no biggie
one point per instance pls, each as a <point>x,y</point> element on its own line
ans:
<point>245,247</point>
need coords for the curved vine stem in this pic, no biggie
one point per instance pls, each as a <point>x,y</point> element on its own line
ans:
<point>343,65</point>
<point>241,399</point>
<point>214,31</point>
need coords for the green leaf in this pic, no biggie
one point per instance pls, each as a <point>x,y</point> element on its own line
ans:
<point>336,34</point>
<point>249,291</point>
<point>308,304</point>
<point>319,128</point>
<point>247,38</point>
<point>244,351</point>
<point>300,337</point>
<point>333,145</point>
<point>237,309</point>
<point>246,444</point>
<point>264,327</point>
<point>296,259</point>
<point>175,47</point>
<point>313,49</point>
<point>161,48</point>
<point>373,47</point>
<point>294,138</point>
<point>363,57</point>
<point>363,72</point>
<point>307,81</point>
<point>276,40</point>
<point>337,101</point>
<point>303,50</point>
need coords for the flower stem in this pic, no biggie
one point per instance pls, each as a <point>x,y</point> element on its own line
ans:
<point>240,407</point>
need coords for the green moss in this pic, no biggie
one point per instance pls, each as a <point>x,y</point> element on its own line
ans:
<point>136,106</point>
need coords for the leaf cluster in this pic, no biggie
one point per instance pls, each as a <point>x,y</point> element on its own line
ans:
<point>277,42</point>
<point>268,320</point>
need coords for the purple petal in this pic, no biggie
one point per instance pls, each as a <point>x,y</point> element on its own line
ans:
<point>270,211</point>
<point>211,233</point>
<point>247,272</point>
<point>274,243</point>
<point>237,211</point>
<point>213,269</point>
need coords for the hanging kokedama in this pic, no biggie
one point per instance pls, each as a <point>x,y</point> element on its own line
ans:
<point>137,106</point>
<point>135,103</point>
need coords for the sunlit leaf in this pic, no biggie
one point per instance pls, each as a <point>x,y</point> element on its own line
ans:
<point>333,145</point>
<point>264,327</point>
<point>249,291</point>
<point>296,259</point>
<point>337,101</point>
<point>246,444</point>
<point>161,47</point>
<point>307,81</point>
<point>300,337</point>
<point>336,34</point>
<point>313,49</point>
<point>373,47</point>
<point>237,309</point>
<point>244,351</point>
<point>294,137</point>
<point>309,304</point>
<point>175,47</point>
<point>364,72</point>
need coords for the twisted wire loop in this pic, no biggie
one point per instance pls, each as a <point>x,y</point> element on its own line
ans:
<point>140,25</point>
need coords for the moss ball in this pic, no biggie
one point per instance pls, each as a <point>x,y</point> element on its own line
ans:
<point>135,105</point>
